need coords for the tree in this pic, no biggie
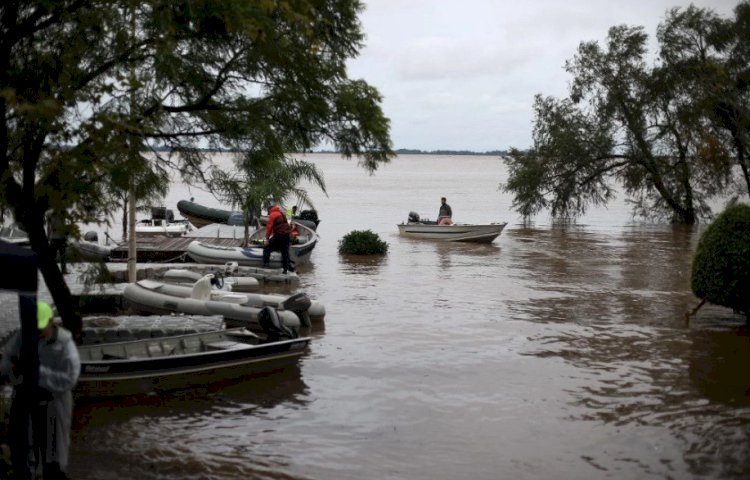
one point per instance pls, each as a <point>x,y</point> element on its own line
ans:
<point>728,99</point>
<point>721,265</point>
<point>630,125</point>
<point>265,181</point>
<point>87,86</point>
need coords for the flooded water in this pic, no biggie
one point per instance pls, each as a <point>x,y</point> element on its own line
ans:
<point>558,351</point>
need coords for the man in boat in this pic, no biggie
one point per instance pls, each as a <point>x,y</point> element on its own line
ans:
<point>278,238</point>
<point>445,214</point>
<point>45,438</point>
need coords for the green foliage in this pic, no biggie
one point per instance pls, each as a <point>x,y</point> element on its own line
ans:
<point>86,88</point>
<point>657,131</point>
<point>721,266</point>
<point>362,242</point>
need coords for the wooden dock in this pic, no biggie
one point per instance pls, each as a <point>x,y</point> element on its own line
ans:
<point>166,249</point>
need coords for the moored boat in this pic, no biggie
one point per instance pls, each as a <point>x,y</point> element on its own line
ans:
<point>150,296</point>
<point>15,235</point>
<point>252,256</point>
<point>162,222</point>
<point>179,362</point>
<point>200,216</point>
<point>215,288</point>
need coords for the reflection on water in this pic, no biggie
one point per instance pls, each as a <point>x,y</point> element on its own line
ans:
<point>623,300</point>
<point>197,433</point>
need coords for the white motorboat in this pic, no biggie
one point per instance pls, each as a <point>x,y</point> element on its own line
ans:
<point>150,296</point>
<point>457,232</point>
<point>252,256</point>
<point>162,223</point>
<point>220,286</point>
<point>13,234</point>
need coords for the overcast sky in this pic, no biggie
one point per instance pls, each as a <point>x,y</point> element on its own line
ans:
<point>462,74</point>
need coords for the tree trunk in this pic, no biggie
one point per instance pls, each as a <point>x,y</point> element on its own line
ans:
<point>67,307</point>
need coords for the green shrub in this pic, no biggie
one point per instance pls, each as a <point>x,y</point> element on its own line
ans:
<point>362,242</point>
<point>721,265</point>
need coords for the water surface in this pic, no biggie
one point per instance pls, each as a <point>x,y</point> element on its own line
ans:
<point>558,351</point>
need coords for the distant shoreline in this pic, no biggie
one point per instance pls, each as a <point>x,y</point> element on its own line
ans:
<point>400,151</point>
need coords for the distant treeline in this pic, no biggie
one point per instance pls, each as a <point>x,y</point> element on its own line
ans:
<point>400,151</point>
<point>411,151</point>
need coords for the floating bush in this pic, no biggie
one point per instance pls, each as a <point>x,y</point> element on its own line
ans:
<point>362,242</point>
<point>721,265</point>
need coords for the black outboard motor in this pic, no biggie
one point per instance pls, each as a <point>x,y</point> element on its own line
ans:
<point>299,303</point>
<point>273,327</point>
<point>311,215</point>
<point>91,236</point>
<point>414,217</point>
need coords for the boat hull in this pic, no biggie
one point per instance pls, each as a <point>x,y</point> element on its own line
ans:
<point>204,252</point>
<point>145,366</point>
<point>452,233</point>
<point>147,296</point>
<point>200,216</point>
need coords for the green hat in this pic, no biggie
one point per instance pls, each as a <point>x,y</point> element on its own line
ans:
<point>43,315</point>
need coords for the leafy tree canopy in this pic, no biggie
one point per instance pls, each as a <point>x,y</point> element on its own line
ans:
<point>670,135</point>
<point>87,86</point>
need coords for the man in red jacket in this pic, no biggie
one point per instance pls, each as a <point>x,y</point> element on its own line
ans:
<point>277,238</point>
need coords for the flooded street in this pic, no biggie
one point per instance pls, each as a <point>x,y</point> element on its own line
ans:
<point>558,351</point>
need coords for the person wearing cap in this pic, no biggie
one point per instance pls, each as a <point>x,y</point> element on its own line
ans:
<point>51,415</point>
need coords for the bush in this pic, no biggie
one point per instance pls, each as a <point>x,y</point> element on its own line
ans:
<point>362,242</point>
<point>721,265</point>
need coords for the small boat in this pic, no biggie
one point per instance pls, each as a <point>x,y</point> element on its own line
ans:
<point>457,232</point>
<point>88,248</point>
<point>200,216</point>
<point>180,362</point>
<point>163,223</point>
<point>153,297</point>
<point>252,256</point>
<point>182,276</point>
<point>13,234</point>
<point>183,282</point>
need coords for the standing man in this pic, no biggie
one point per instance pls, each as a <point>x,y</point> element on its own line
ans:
<point>56,230</point>
<point>446,214</point>
<point>48,440</point>
<point>278,238</point>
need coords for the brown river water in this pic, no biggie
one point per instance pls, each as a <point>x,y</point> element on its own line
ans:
<point>556,352</point>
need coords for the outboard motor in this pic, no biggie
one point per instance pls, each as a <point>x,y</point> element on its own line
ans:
<point>311,215</point>
<point>299,303</point>
<point>273,327</point>
<point>91,236</point>
<point>414,217</point>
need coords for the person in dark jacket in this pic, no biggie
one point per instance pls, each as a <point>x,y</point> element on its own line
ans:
<point>46,438</point>
<point>445,216</point>
<point>278,238</point>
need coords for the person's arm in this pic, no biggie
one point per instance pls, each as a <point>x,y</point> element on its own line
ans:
<point>269,225</point>
<point>450,211</point>
<point>63,377</point>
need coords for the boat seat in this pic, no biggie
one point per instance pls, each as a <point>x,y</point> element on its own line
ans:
<point>202,289</point>
<point>192,345</point>
<point>154,349</point>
